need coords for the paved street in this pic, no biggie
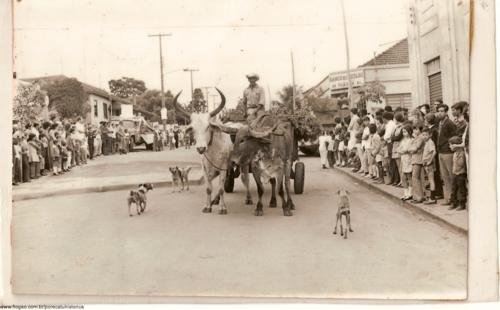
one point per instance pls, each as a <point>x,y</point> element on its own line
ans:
<point>87,244</point>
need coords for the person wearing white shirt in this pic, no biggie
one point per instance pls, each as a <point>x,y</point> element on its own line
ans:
<point>353,128</point>
<point>364,145</point>
<point>390,127</point>
<point>324,142</point>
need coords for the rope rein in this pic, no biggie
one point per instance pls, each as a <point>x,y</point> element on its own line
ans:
<point>211,163</point>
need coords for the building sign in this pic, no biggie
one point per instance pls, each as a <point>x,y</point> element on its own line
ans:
<point>338,80</point>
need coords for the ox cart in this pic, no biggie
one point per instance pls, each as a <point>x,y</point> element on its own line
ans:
<point>297,172</point>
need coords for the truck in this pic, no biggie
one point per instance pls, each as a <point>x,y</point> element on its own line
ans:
<point>140,131</point>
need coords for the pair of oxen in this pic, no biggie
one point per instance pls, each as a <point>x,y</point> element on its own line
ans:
<point>266,153</point>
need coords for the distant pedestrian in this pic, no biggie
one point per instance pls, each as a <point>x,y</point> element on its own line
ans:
<point>324,140</point>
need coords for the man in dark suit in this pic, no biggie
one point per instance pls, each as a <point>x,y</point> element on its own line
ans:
<point>446,130</point>
<point>432,123</point>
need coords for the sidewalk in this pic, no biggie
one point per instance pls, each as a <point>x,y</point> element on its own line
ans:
<point>113,172</point>
<point>456,220</point>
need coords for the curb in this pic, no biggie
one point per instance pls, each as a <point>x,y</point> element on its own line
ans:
<point>95,189</point>
<point>406,204</point>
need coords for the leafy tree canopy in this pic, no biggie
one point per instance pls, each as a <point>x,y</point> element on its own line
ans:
<point>68,98</point>
<point>370,91</point>
<point>198,104</point>
<point>28,102</point>
<point>127,87</point>
<point>306,124</point>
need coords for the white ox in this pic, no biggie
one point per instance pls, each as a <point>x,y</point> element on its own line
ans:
<point>215,145</point>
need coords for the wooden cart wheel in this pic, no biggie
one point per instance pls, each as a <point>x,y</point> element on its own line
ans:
<point>298,181</point>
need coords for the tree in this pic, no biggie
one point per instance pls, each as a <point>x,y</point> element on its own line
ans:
<point>150,101</point>
<point>306,124</point>
<point>198,104</point>
<point>68,98</point>
<point>286,95</point>
<point>372,91</point>
<point>28,102</point>
<point>127,87</point>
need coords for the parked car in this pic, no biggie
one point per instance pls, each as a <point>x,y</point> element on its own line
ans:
<point>309,148</point>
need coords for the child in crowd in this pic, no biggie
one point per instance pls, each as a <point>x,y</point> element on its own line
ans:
<point>65,156</point>
<point>56,155</point>
<point>354,160</point>
<point>406,166</point>
<point>17,154</point>
<point>77,146</point>
<point>377,157</point>
<point>459,186</point>
<point>369,155</point>
<point>428,164</point>
<point>344,141</point>
<point>45,144</point>
<point>384,154</point>
<point>34,159</point>
<point>25,158</point>
<point>416,151</point>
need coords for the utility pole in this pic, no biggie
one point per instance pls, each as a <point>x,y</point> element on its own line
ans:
<point>160,35</point>
<point>191,73</point>
<point>349,90</point>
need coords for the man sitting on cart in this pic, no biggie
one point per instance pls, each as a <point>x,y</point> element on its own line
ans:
<point>254,98</point>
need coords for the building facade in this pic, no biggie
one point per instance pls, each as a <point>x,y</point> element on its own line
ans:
<point>438,43</point>
<point>103,105</point>
<point>391,68</point>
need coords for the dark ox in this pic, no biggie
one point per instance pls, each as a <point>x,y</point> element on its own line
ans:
<point>214,144</point>
<point>269,153</point>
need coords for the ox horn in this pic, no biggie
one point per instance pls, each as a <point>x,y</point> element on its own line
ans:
<point>179,108</point>
<point>221,105</point>
<point>224,128</point>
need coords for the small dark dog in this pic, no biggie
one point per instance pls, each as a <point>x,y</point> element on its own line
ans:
<point>180,177</point>
<point>345,211</point>
<point>138,197</point>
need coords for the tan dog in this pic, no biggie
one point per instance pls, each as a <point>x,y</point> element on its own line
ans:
<point>180,178</point>
<point>343,210</point>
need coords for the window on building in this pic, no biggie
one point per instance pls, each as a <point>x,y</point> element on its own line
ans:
<point>95,109</point>
<point>433,70</point>
<point>105,109</point>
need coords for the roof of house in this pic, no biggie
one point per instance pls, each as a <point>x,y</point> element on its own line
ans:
<point>396,54</point>
<point>307,92</point>
<point>54,78</point>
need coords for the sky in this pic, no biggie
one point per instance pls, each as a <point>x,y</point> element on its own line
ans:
<point>99,40</point>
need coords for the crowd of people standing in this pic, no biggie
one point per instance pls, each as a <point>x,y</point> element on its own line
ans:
<point>56,146</point>
<point>424,151</point>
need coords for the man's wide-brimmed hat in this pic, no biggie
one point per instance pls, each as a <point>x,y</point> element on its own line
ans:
<point>253,75</point>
